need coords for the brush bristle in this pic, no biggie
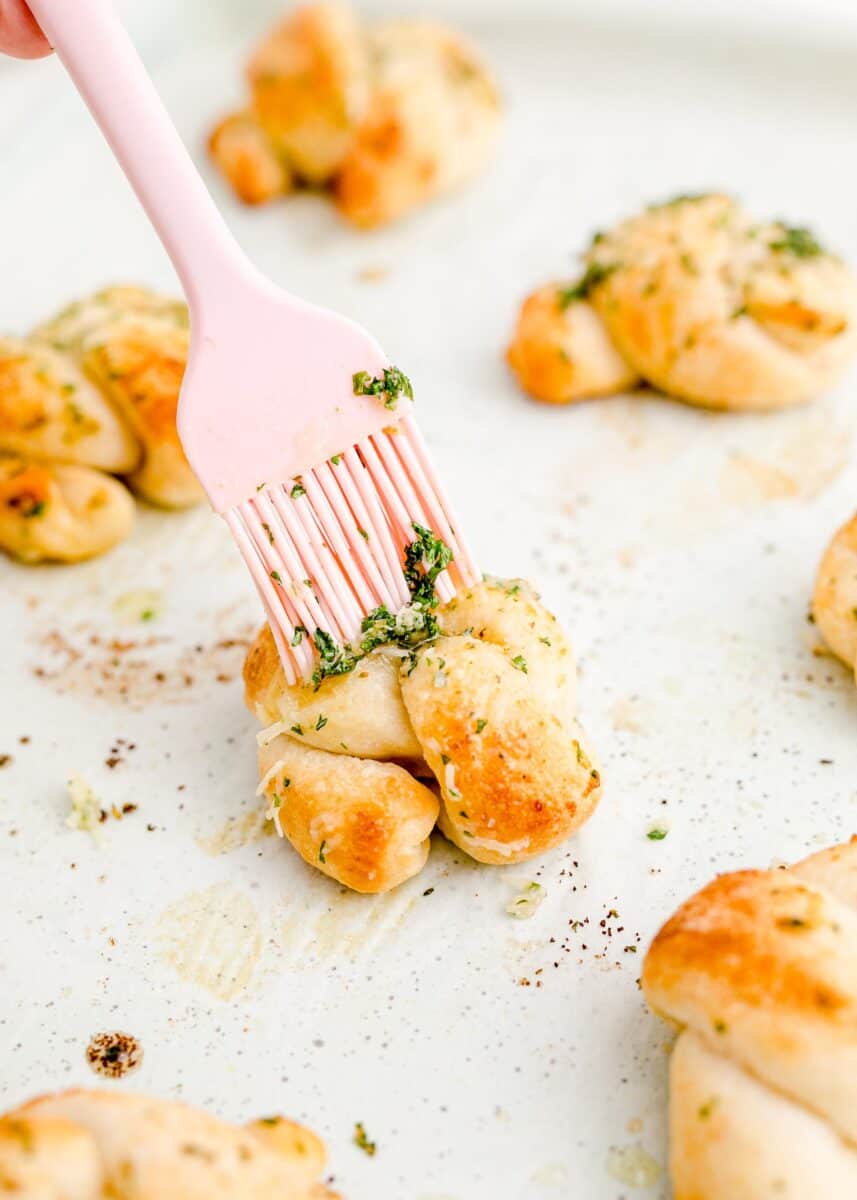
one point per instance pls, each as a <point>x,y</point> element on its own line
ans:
<point>327,548</point>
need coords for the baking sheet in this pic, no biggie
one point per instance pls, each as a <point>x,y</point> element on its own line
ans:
<point>486,1057</point>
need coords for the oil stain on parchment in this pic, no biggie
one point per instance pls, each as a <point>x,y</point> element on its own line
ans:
<point>240,831</point>
<point>212,938</point>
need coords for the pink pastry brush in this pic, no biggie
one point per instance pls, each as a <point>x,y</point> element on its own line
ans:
<point>299,429</point>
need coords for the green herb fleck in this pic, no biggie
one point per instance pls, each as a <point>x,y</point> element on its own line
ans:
<point>297,490</point>
<point>796,240</point>
<point>298,729</point>
<point>582,757</point>
<point>321,857</point>
<point>545,641</point>
<point>392,384</point>
<point>267,529</point>
<point>425,558</point>
<point>277,578</point>
<point>480,724</point>
<point>321,722</point>
<point>299,634</point>
<point>656,835</point>
<point>415,625</point>
<point>595,274</point>
<point>520,663</point>
<point>336,459</point>
<point>363,534</point>
<point>36,509</point>
<point>362,1141</point>
<point>270,1120</point>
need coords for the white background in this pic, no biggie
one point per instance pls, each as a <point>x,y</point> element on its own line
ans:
<point>678,547</point>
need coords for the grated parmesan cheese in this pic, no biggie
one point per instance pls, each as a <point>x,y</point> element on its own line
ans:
<point>86,809</point>
<point>525,904</point>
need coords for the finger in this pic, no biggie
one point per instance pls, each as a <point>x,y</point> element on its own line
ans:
<point>20,35</point>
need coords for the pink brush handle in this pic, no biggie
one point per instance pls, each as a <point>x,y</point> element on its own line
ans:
<point>104,65</point>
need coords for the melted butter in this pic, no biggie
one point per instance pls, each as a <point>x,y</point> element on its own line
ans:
<point>633,1166</point>
<point>212,938</point>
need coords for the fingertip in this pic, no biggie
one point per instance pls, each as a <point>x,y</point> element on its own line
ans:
<point>20,35</point>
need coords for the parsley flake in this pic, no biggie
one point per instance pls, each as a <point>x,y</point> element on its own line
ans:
<point>796,240</point>
<point>595,274</point>
<point>362,1142</point>
<point>390,385</point>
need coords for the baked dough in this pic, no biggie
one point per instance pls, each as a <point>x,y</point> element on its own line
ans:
<point>90,392</point>
<point>562,352</point>
<point>700,301</point>
<point>759,971</point>
<point>834,604</point>
<point>85,1145</point>
<point>484,714</point>
<point>51,512</point>
<point>389,117</point>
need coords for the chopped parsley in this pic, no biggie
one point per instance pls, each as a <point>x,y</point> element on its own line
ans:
<point>520,663</point>
<point>391,385</point>
<point>416,624</point>
<point>796,240</point>
<point>480,724</point>
<point>321,857</point>
<point>276,576</point>
<point>545,641</point>
<point>656,835</point>
<point>425,558</point>
<point>35,509</point>
<point>594,275</point>
<point>267,529</point>
<point>336,459</point>
<point>321,722</point>
<point>299,634</point>
<point>362,1142</point>
<point>298,729</point>
<point>297,490</point>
